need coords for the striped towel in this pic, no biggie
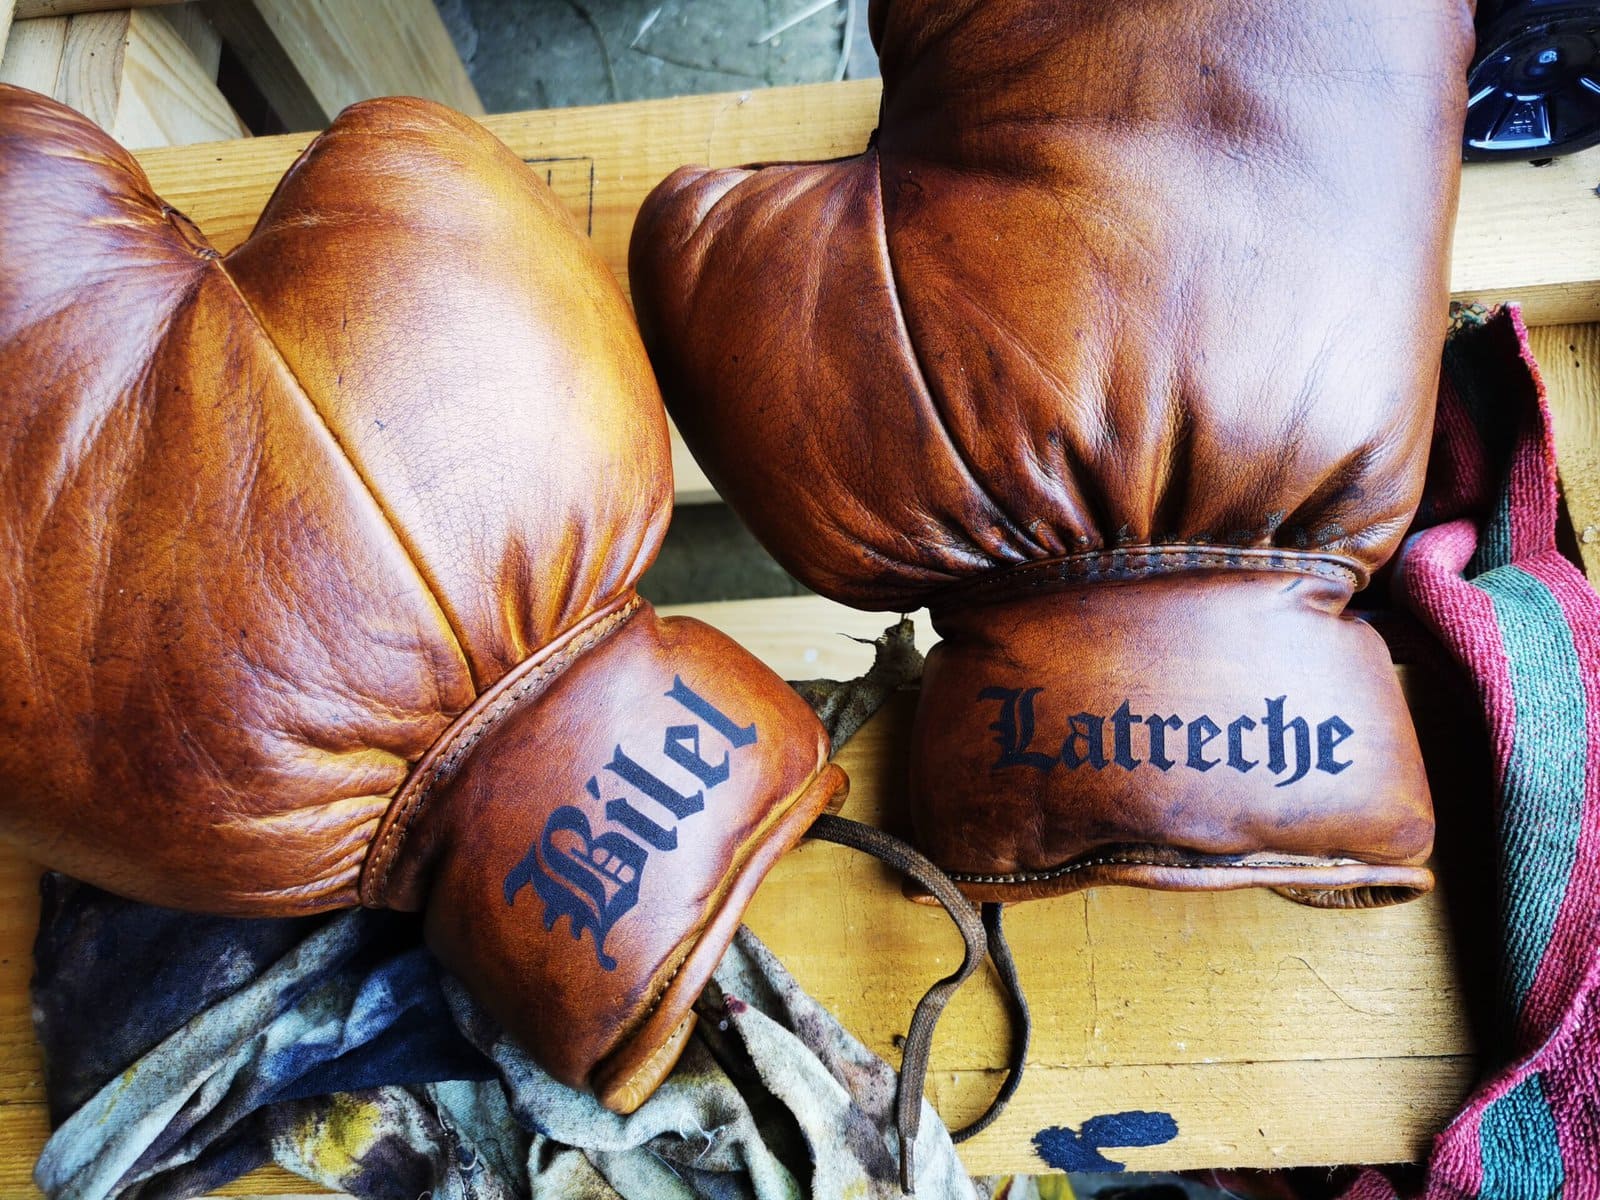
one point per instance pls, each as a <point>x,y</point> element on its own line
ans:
<point>1483,573</point>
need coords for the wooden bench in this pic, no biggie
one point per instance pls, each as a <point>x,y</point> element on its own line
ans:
<point>1272,1034</point>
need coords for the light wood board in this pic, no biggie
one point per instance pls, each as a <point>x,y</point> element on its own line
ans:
<point>311,58</point>
<point>27,9</point>
<point>197,32</point>
<point>1225,1010</point>
<point>6,13</point>
<point>1524,233</point>
<point>1569,360</point>
<point>129,71</point>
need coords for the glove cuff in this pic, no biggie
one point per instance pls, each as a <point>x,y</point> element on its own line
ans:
<point>586,838</point>
<point>1201,727</point>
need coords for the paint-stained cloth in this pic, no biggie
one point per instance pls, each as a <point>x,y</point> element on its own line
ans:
<point>336,1048</point>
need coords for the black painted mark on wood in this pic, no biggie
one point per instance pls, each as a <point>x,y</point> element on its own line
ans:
<point>570,174</point>
<point>1066,1149</point>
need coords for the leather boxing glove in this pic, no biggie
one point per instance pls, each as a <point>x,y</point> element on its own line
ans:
<point>318,588</point>
<point>1117,349</point>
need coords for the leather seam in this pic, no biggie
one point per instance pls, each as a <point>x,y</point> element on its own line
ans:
<point>1011,525</point>
<point>655,1001</point>
<point>1115,861</point>
<point>1147,562</point>
<point>415,794</point>
<point>413,559</point>
<point>660,1051</point>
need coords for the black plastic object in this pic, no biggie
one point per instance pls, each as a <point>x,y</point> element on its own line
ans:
<point>1534,88</point>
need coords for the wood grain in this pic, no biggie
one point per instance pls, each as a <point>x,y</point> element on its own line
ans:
<point>129,71</point>
<point>34,53</point>
<point>311,58</point>
<point>190,23</point>
<point>1569,360</point>
<point>28,9</point>
<point>1525,233</point>
<point>170,97</point>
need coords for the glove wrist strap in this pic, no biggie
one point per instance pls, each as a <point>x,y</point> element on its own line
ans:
<point>1188,730</point>
<point>586,838</point>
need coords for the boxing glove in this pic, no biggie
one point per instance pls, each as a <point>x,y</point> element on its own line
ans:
<point>318,588</point>
<point>1116,348</point>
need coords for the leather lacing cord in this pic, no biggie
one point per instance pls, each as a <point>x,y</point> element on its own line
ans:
<point>984,938</point>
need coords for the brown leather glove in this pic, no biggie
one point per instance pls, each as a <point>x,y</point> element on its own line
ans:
<point>318,588</point>
<point>1117,349</point>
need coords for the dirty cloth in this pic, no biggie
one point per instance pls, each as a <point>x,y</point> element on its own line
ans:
<point>349,1058</point>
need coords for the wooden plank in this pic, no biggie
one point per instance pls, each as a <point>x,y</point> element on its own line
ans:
<point>170,97</point>
<point>1224,1010</point>
<point>311,58</point>
<point>190,23</point>
<point>1531,234</point>
<point>6,12</point>
<point>28,9</point>
<point>94,52</point>
<point>129,71</point>
<point>1524,233</point>
<point>602,161</point>
<point>1569,360</point>
<point>33,54</point>
<point>1266,1114</point>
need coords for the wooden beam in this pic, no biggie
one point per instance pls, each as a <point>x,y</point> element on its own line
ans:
<point>170,97</point>
<point>28,9</point>
<point>197,32</point>
<point>311,58</point>
<point>603,160</point>
<point>1524,233</point>
<point>129,71</point>
<point>6,12</point>
<point>1224,1010</point>
<point>34,54</point>
<point>1569,360</point>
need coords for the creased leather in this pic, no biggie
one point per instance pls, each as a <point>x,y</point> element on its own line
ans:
<point>277,525</point>
<point>1154,280</point>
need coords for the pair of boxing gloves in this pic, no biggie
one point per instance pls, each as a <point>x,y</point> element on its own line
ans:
<point>1116,348</point>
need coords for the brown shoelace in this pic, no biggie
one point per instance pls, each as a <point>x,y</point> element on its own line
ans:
<point>984,937</point>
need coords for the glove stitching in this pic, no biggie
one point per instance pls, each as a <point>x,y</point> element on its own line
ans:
<point>653,1004</point>
<point>1070,868</point>
<point>660,993</point>
<point>1148,561</point>
<point>387,852</point>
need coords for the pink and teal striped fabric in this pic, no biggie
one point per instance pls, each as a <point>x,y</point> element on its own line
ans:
<point>1482,570</point>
